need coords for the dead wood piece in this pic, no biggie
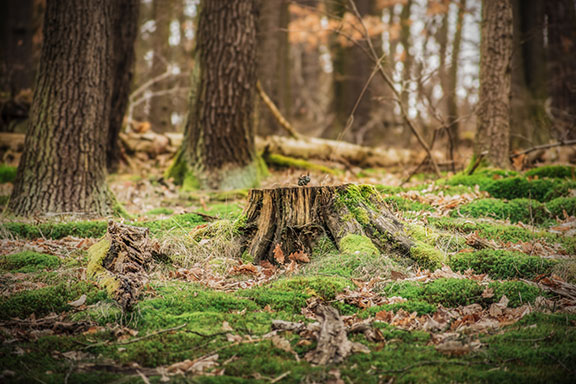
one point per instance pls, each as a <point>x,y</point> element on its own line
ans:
<point>333,344</point>
<point>312,148</point>
<point>294,218</point>
<point>123,267</point>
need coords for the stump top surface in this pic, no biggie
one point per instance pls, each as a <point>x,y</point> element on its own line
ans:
<point>296,187</point>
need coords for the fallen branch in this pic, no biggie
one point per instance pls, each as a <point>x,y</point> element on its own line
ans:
<point>544,146</point>
<point>137,339</point>
<point>276,112</point>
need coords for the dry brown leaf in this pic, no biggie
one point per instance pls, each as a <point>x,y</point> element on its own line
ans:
<point>245,268</point>
<point>278,254</point>
<point>299,256</point>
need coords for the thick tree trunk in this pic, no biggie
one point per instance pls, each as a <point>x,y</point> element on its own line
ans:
<point>124,38</point>
<point>63,167</point>
<point>493,131</point>
<point>219,144</point>
<point>294,218</point>
<point>562,55</point>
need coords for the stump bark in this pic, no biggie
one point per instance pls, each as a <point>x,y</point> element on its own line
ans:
<point>297,217</point>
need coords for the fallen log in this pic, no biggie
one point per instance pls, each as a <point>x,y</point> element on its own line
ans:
<point>120,261</point>
<point>295,218</point>
<point>338,151</point>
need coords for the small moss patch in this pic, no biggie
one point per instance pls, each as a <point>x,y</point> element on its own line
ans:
<point>553,171</point>
<point>500,264</point>
<point>357,244</point>
<point>7,173</point>
<point>28,261</point>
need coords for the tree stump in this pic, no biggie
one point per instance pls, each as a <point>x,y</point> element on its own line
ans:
<point>296,217</point>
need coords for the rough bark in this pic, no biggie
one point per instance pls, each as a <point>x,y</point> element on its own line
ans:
<point>124,38</point>
<point>407,63</point>
<point>493,126</point>
<point>562,56</point>
<point>63,167</point>
<point>296,217</point>
<point>219,144</point>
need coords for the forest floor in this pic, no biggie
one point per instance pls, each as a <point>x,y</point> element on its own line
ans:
<point>489,297</point>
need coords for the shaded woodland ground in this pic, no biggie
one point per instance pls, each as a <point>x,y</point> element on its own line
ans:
<point>487,294</point>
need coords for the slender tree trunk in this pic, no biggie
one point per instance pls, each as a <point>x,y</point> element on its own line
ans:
<point>562,56</point>
<point>63,167</point>
<point>219,143</point>
<point>160,108</point>
<point>451,97</point>
<point>529,123</point>
<point>352,68</point>
<point>406,41</point>
<point>124,38</point>
<point>274,56</point>
<point>493,130</point>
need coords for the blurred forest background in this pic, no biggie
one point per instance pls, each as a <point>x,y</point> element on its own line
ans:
<point>314,72</point>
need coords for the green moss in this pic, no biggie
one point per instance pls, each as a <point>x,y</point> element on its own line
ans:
<point>7,173</point>
<point>427,256</point>
<point>520,187</point>
<point>553,171</point>
<point>524,210</point>
<point>28,261</point>
<point>502,233</point>
<point>178,169</point>
<point>448,292</point>
<point>558,206</point>
<point>420,307</point>
<point>49,299</point>
<point>443,241</point>
<point>160,211</point>
<point>516,291</point>
<point>357,244</point>
<point>95,269</point>
<point>453,292</point>
<point>389,189</point>
<point>500,264</point>
<point>321,286</point>
<point>224,210</point>
<point>399,203</point>
<point>281,161</point>
<point>278,300</point>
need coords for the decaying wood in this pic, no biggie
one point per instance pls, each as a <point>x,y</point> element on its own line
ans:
<point>339,151</point>
<point>126,262</point>
<point>330,332</point>
<point>294,218</point>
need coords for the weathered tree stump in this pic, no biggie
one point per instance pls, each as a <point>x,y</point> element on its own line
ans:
<point>296,217</point>
<point>120,261</point>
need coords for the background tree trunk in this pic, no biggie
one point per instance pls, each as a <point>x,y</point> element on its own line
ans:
<point>529,123</point>
<point>219,144</point>
<point>160,108</point>
<point>562,56</point>
<point>273,63</point>
<point>493,127</point>
<point>63,167</point>
<point>124,39</point>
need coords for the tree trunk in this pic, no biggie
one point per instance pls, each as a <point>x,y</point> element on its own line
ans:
<point>562,56</point>
<point>273,63</point>
<point>406,41</point>
<point>219,143</point>
<point>529,123</point>
<point>18,24</point>
<point>352,68</point>
<point>160,109</point>
<point>124,38</point>
<point>493,131</point>
<point>296,217</point>
<point>63,167</point>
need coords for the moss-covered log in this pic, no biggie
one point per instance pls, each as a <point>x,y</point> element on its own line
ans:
<point>296,217</point>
